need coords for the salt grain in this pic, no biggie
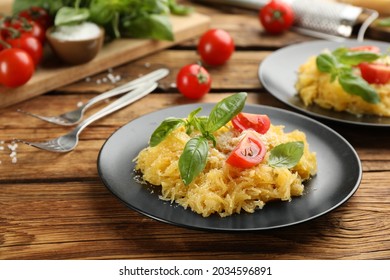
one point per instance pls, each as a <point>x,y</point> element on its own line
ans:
<point>1,148</point>
<point>79,104</point>
<point>88,79</point>
<point>13,154</point>
<point>147,65</point>
<point>14,160</point>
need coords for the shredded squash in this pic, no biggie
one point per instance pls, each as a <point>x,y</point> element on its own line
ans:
<point>315,87</point>
<point>222,189</point>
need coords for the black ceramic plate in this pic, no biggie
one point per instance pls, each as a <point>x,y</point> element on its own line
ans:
<point>339,174</point>
<point>278,74</point>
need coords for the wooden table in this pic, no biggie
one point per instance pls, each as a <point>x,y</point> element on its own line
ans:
<point>54,206</point>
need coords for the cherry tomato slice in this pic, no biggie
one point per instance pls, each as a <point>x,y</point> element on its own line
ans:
<point>193,81</point>
<point>276,16</point>
<point>215,47</point>
<point>373,49</point>
<point>259,123</point>
<point>249,152</point>
<point>375,73</point>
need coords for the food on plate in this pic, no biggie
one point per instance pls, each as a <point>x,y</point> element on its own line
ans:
<point>355,80</point>
<point>208,165</point>
<point>193,81</point>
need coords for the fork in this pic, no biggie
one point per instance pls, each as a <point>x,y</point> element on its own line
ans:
<point>69,141</point>
<point>75,116</point>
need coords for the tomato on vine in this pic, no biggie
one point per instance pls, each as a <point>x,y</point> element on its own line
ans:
<point>215,47</point>
<point>28,43</point>
<point>16,67</point>
<point>193,81</point>
<point>276,16</point>
<point>38,15</point>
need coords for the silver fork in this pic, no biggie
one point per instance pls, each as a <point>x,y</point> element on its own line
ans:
<point>75,116</point>
<point>69,141</point>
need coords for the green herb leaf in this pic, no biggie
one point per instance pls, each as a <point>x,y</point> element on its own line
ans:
<point>178,9</point>
<point>327,63</point>
<point>384,22</point>
<point>356,85</point>
<point>153,26</point>
<point>162,131</point>
<point>193,159</point>
<point>286,155</point>
<point>357,57</point>
<point>225,110</point>
<point>68,16</point>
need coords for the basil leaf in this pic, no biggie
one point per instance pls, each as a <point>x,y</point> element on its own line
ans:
<point>152,26</point>
<point>225,110</point>
<point>356,85</point>
<point>327,63</point>
<point>164,129</point>
<point>68,15</point>
<point>286,155</point>
<point>178,9</point>
<point>356,57</point>
<point>193,159</point>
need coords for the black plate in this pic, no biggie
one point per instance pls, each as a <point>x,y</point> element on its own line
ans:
<point>278,74</point>
<point>339,174</point>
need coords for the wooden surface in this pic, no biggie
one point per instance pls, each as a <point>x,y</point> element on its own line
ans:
<point>54,206</point>
<point>52,74</point>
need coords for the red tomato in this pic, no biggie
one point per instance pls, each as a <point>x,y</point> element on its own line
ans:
<point>38,15</point>
<point>215,47</point>
<point>244,121</point>
<point>16,67</point>
<point>249,152</point>
<point>276,16</point>
<point>28,43</point>
<point>37,31</point>
<point>193,81</point>
<point>375,73</point>
<point>373,49</point>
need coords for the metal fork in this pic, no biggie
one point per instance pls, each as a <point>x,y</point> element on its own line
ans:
<point>69,141</point>
<point>74,117</point>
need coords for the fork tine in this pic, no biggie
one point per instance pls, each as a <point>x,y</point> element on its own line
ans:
<point>54,120</point>
<point>52,145</point>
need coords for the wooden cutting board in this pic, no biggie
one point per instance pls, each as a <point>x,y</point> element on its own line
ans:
<point>52,74</point>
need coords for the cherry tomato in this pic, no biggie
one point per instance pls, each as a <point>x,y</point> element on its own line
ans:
<point>38,15</point>
<point>28,43</point>
<point>373,49</point>
<point>193,81</point>
<point>16,67</point>
<point>215,47</point>
<point>37,31</point>
<point>375,73</point>
<point>244,121</point>
<point>249,152</point>
<point>276,16</point>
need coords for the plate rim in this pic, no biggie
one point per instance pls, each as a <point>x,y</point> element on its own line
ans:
<point>351,191</point>
<point>260,76</point>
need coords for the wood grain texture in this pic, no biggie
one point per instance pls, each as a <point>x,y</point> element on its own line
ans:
<point>54,206</point>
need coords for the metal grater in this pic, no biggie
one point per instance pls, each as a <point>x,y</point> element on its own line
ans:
<point>318,18</point>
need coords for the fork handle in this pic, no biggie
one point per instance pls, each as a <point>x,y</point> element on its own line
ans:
<point>132,96</point>
<point>150,77</point>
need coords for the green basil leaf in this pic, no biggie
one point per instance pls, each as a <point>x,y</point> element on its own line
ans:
<point>355,57</point>
<point>152,26</point>
<point>356,85</point>
<point>68,15</point>
<point>225,110</point>
<point>286,155</point>
<point>193,159</point>
<point>384,22</point>
<point>162,131</point>
<point>178,9</point>
<point>327,63</point>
